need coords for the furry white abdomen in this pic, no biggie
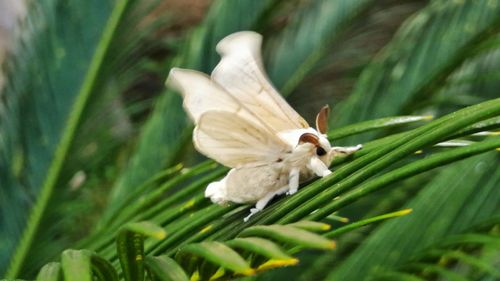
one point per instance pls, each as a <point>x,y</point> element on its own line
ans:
<point>251,184</point>
<point>248,184</point>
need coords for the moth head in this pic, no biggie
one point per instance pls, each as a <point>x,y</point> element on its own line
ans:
<point>322,120</point>
<point>321,145</point>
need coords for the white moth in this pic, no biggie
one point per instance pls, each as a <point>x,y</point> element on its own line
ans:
<point>243,123</point>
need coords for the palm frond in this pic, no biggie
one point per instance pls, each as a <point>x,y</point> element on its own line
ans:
<point>46,109</point>
<point>425,51</point>
<point>435,211</point>
<point>86,62</point>
<point>469,254</point>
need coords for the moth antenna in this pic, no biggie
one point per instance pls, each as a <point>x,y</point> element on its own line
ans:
<point>310,138</point>
<point>322,120</point>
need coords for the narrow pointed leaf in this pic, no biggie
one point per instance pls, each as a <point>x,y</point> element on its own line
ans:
<point>165,269</point>
<point>361,223</point>
<point>314,28</point>
<point>50,272</point>
<point>130,247</point>
<point>103,269</point>
<point>219,254</point>
<point>478,263</point>
<point>65,64</point>
<point>413,168</point>
<point>371,125</point>
<point>396,276</point>
<point>433,223</point>
<point>472,238</point>
<point>265,248</point>
<point>147,229</point>
<point>485,125</point>
<point>417,62</point>
<point>454,143</point>
<point>447,274</point>
<point>290,235</point>
<point>76,265</point>
<point>312,226</point>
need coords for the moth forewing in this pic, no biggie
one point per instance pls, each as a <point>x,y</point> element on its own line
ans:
<point>241,74</point>
<point>200,94</point>
<point>235,141</point>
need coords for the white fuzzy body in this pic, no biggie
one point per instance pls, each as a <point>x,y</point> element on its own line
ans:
<point>250,184</point>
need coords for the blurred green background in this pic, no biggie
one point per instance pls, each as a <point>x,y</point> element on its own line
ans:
<point>89,133</point>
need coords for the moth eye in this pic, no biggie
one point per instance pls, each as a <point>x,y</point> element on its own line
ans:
<point>320,151</point>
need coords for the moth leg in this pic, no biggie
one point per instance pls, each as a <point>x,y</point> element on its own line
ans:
<point>262,203</point>
<point>293,181</point>
<point>348,150</point>
<point>318,167</point>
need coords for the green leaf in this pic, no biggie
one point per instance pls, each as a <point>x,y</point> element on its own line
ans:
<point>447,274</point>
<point>290,235</point>
<point>277,257</point>
<point>76,265</point>
<point>489,124</point>
<point>146,228</point>
<point>396,276</point>
<point>316,26</point>
<point>312,226</point>
<point>58,105</point>
<point>130,247</point>
<point>219,254</point>
<point>361,223</point>
<point>370,125</point>
<point>149,206</point>
<point>415,64</point>
<point>50,272</point>
<point>164,268</point>
<point>103,270</point>
<point>428,223</point>
<point>479,264</point>
<point>471,239</point>
<point>405,172</point>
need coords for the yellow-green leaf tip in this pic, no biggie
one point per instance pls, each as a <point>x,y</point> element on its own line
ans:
<point>404,212</point>
<point>195,276</point>
<point>326,227</point>
<point>332,245</point>
<point>189,204</point>
<point>428,117</point>
<point>206,228</point>
<point>248,272</point>
<point>160,235</point>
<point>273,263</point>
<point>344,219</point>
<point>218,274</point>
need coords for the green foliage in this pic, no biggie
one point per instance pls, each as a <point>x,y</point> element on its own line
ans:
<point>86,57</point>
<point>468,253</point>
